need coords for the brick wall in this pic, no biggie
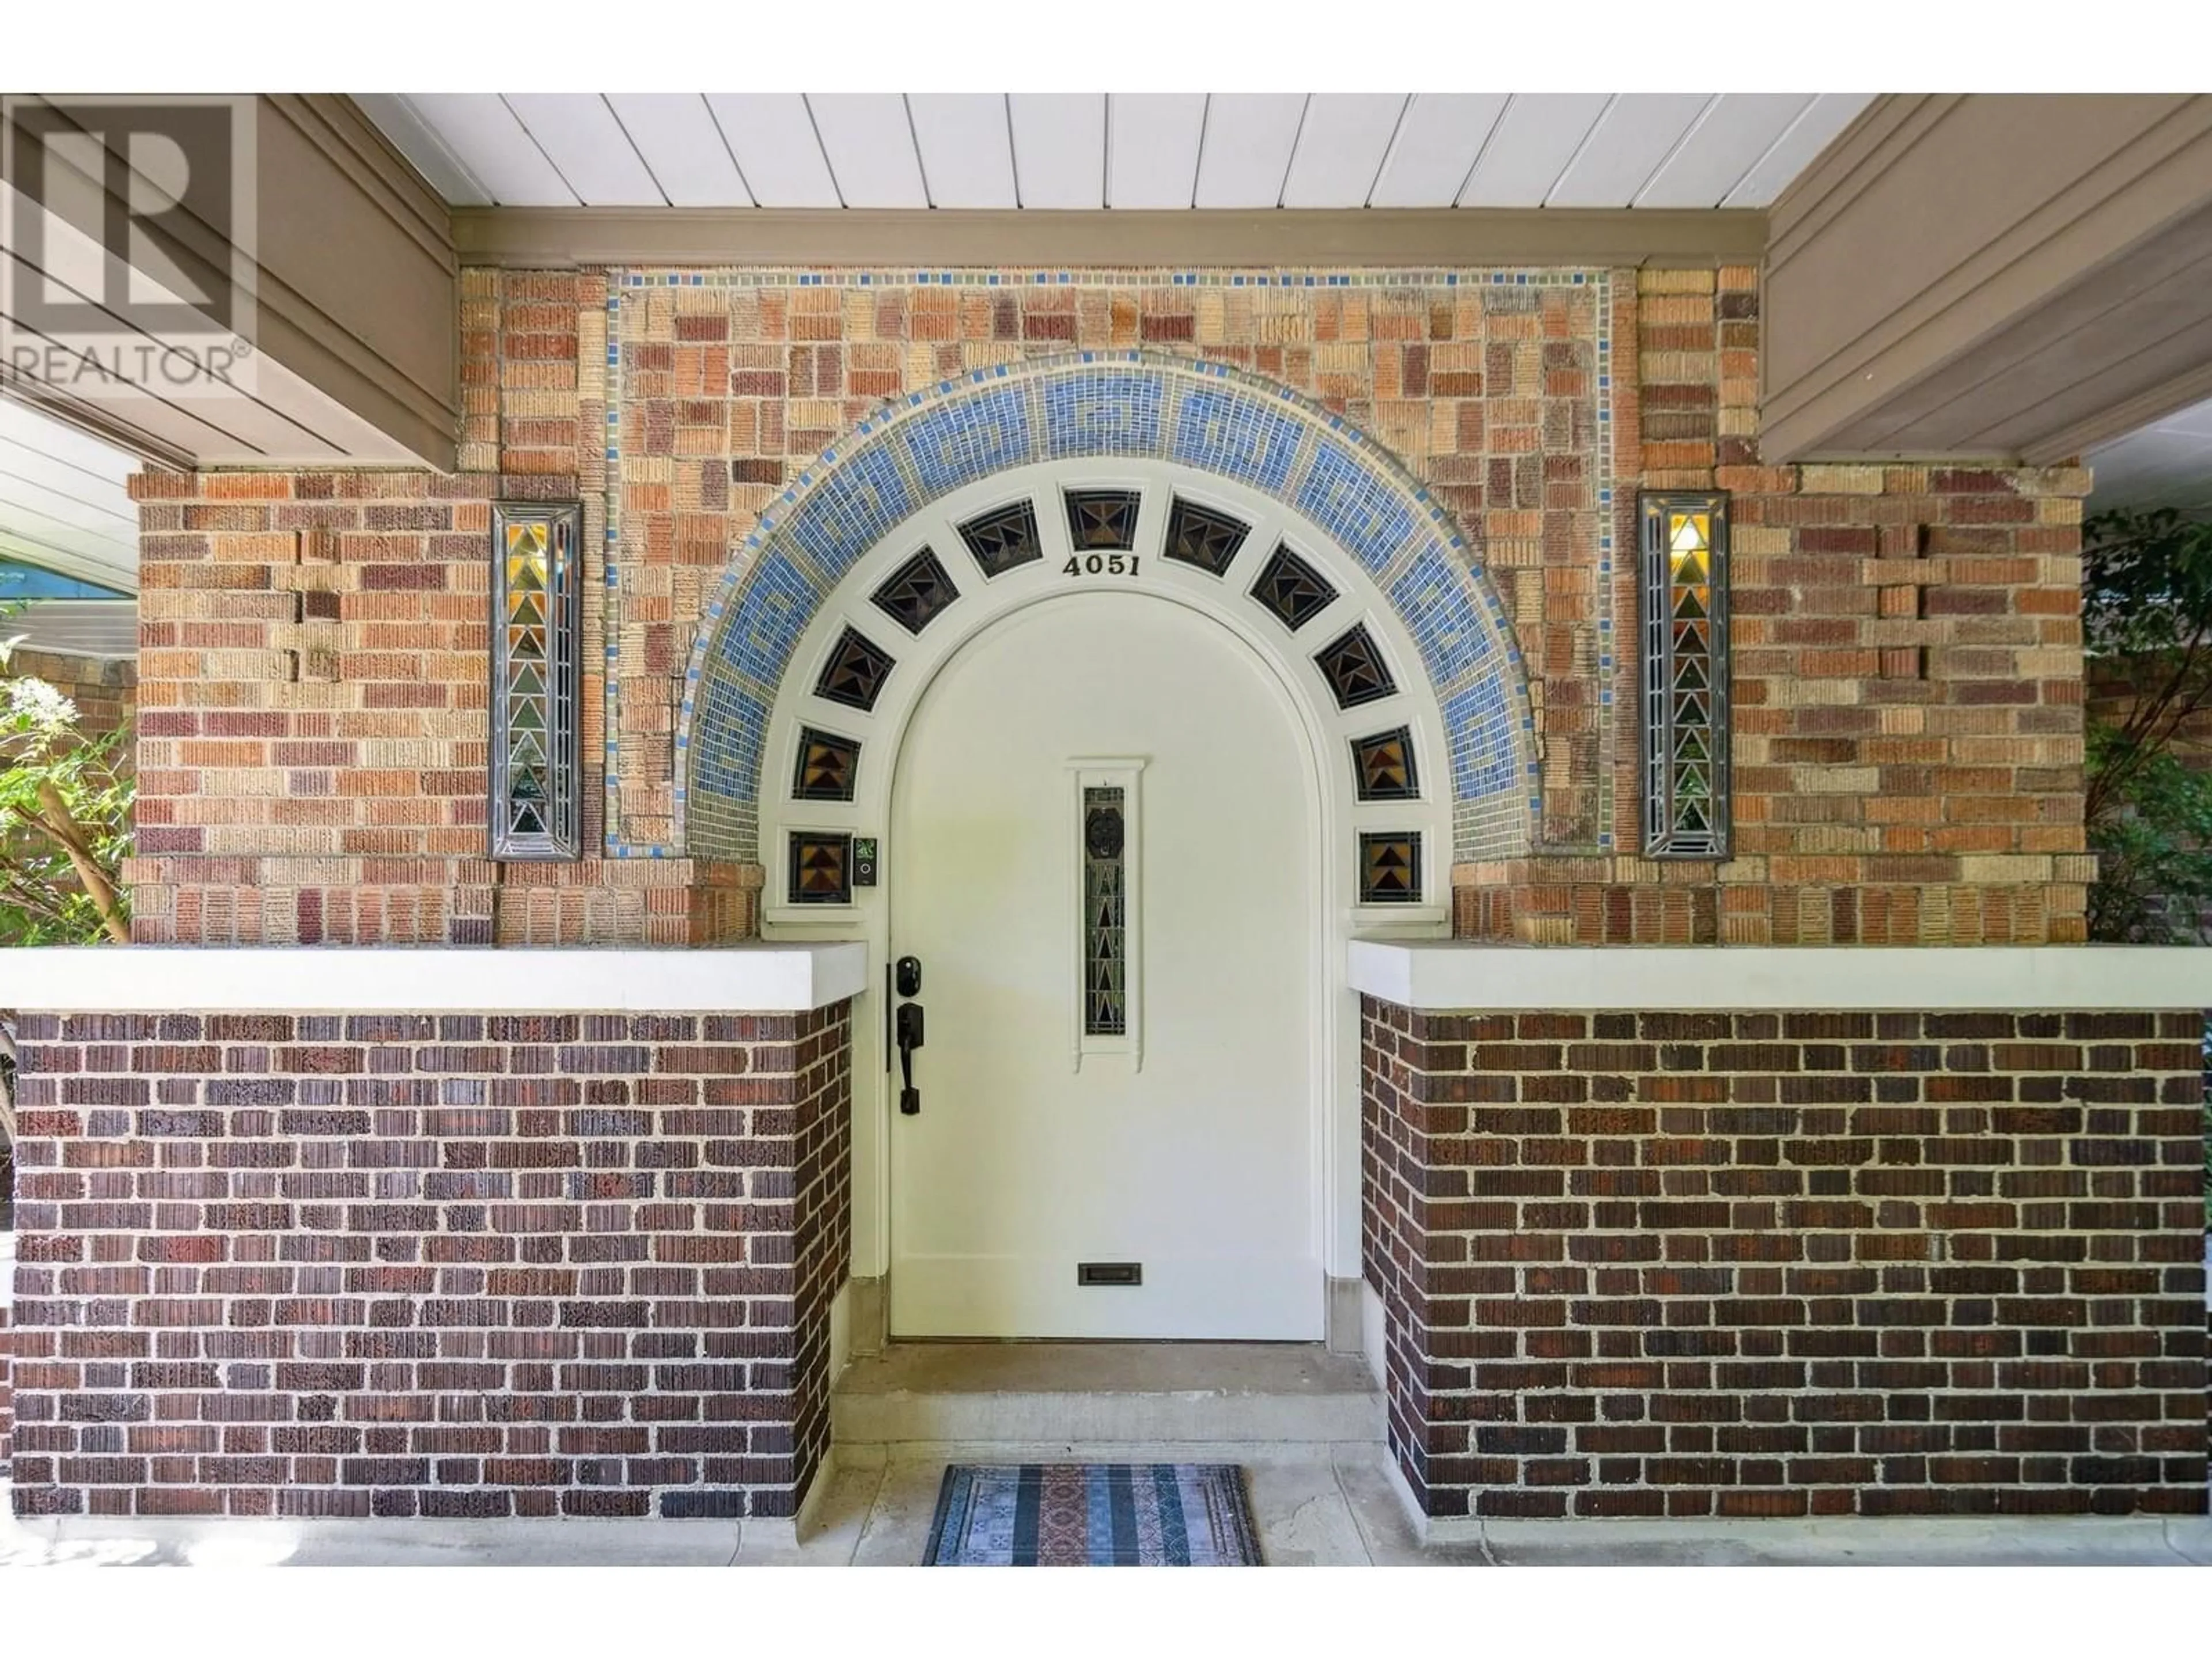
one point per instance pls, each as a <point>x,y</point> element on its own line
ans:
<point>104,689</point>
<point>7,1350</point>
<point>1907,671</point>
<point>1906,683</point>
<point>313,744</point>
<point>441,1264</point>
<point>1645,1264</point>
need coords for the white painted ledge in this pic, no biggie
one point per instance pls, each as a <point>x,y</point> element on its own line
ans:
<point>1447,975</point>
<point>742,979</point>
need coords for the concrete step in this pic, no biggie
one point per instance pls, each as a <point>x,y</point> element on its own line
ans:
<point>1039,1393</point>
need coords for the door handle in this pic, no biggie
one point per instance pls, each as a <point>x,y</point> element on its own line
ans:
<point>909,1028</point>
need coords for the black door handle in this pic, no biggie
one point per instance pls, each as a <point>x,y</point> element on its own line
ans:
<point>909,1025</point>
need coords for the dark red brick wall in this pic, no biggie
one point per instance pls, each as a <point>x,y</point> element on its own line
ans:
<point>1646,1264</point>
<point>7,1378</point>
<point>427,1264</point>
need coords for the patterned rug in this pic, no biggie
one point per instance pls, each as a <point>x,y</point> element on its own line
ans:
<point>1094,1515</point>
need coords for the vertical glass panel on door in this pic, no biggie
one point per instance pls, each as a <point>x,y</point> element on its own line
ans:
<point>1108,935</point>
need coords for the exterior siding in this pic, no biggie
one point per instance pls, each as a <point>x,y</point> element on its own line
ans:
<point>435,1264</point>
<point>1670,1264</point>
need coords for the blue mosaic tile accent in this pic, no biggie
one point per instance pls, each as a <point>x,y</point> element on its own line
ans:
<point>1352,500</point>
<point>1479,725</point>
<point>860,503</point>
<point>965,439</point>
<point>1102,414</point>
<point>921,446</point>
<point>725,760</point>
<point>779,602</point>
<point>1433,598</point>
<point>1230,431</point>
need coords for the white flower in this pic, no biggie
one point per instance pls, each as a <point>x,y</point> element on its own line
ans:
<point>40,702</point>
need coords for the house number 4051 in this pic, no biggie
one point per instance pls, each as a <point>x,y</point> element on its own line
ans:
<point>1102,564</point>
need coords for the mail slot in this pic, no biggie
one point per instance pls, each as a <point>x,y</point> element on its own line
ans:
<point>1109,1273</point>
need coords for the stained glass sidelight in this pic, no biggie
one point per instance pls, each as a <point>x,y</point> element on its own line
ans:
<point>535,756</point>
<point>1105,913</point>
<point>1685,674</point>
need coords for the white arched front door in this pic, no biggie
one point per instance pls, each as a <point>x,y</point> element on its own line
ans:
<point>1189,1168</point>
<point>1104,859</point>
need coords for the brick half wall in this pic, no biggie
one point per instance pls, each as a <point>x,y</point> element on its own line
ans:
<point>1676,1264</point>
<point>444,1265</point>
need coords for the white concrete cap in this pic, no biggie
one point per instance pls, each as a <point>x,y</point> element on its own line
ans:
<point>1447,975</point>
<point>139,978</point>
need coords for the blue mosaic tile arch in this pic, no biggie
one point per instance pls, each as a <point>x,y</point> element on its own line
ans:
<point>920,446</point>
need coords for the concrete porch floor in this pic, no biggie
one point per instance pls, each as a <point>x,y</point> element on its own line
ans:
<point>1315,1507</point>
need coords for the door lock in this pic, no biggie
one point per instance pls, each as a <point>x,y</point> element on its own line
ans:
<point>908,1024</point>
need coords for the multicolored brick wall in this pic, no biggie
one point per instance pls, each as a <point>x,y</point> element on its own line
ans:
<point>313,745</point>
<point>1908,640</point>
<point>433,1264</point>
<point>1906,683</point>
<point>1693,1264</point>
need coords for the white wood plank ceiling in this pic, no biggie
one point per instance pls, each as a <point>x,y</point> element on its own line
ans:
<point>65,502</point>
<point>1117,150</point>
<point>2166,464</point>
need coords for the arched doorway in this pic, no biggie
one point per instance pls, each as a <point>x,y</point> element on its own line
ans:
<point>834,670</point>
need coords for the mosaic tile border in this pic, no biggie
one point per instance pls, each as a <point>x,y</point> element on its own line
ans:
<point>1290,277</point>
<point>922,444</point>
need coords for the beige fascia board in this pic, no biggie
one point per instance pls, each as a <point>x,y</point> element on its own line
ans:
<point>560,238</point>
<point>2151,184</point>
<point>336,126</point>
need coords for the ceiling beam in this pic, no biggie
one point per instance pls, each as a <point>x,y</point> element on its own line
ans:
<point>1183,239</point>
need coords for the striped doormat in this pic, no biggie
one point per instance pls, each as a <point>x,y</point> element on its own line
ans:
<point>1094,1515</point>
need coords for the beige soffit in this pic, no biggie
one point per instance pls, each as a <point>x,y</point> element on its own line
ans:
<point>1178,238</point>
<point>2002,275</point>
<point>356,300</point>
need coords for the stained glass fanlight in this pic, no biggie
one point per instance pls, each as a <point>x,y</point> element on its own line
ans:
<point>537,601</point>
<point>1685,674</point>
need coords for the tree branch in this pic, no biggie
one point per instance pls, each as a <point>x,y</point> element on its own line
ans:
<point>97,888</point>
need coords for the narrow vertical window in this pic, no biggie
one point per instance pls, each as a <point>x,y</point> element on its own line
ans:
<point>1685,674</point>
<point>1109,947</point>
<point>1105,913</point>
<point>537,602</point>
